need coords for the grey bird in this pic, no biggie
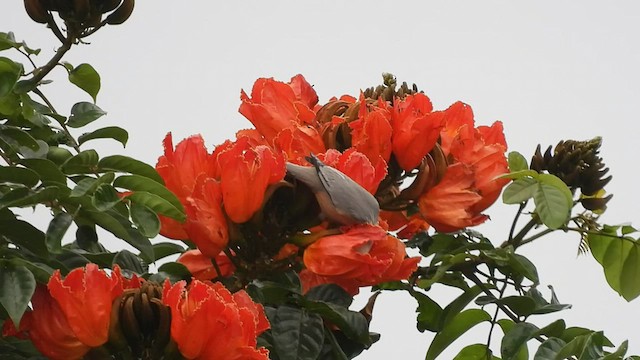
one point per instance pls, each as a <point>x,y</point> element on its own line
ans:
<point>341,200</point>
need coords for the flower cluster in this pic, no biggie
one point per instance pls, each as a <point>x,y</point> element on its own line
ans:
<point>74,317</point>
<point>294,191</point>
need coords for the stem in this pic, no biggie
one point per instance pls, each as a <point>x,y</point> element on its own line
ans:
<point>515,220</point>
<point>41,72</point>
<point>520,235</point>
<point>536,236</point>
<point>64,126</point>
<point>472,276</point>
<point>337,350</point>
<point>495,317</point>
<point>28,58</point>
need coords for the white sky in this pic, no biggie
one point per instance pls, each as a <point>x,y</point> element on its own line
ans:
<point>549,70</point>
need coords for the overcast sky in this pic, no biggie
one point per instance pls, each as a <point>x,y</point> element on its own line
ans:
<point>550,70</point>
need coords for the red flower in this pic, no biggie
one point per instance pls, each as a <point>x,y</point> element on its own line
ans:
<point>206,224</point>
<point>357,167</point>
<point>275,106</point>
<point>449,206</point>
<point>50,331</point>
<point>415,129</point>
<point>470,184</point>
<point>371,132</point>
<point>179,169</point>
<point>298,142</point>
<point>363,255</point>
<point>208,322</point>
<point>245,172</point>
<point>201,267</point>
<point>85,298</point>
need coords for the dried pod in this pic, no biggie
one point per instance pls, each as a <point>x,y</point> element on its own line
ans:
<point>36,11</point>
<point>122,13</point>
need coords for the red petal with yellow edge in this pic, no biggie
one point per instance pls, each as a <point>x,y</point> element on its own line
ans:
<point>50,331</point>
<point>85,297</point>
<point>371,132</point>
<point>201,268</point>
<point>206,224</point>
<point>299,142</point>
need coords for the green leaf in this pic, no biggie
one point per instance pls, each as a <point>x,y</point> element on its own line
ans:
<point>515,340</point>
<point>111,132</point>
<point>460,324</point>
<point>17,137</point>
<point>297,335</point>
<point>17,285</point>
<point>549,349</point>
<point>174,271</point>
<point>555,329</point>
<point>457,305</point>
<point>8,41</point>
<point>520,174</point>
<point>55,232</point>
<point>330,293</point>
<point>84,113</point>
<point>429,313</point>
<point>520,190</point>
<point>517,162</point>
<point>524,266</point>
<point>25,236</point>
<point>520,305</point>
<point>121,227</point>
<point>105,197</point>
<point>620,259</point>
<point>16,175</point>
<point>21,197</point>
<point>85,162</point>
<point>157,204</point>
<point>352,323</point>
<point>40,153</point>
<point>126,164</point>
<point>475,352</point>
<point>46,169</point>
<point>86,78</point>
<point>141,183</point>
<point>552,205</point>
<point>89,185</point>
<point>10,72</point>
<point>130,261</point>
<point>145,220</point>
<point>164,249</point>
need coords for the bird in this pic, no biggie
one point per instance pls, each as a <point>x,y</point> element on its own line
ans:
<point>341,200</point>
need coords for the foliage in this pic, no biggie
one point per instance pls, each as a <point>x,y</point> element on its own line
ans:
<point>287,234</point>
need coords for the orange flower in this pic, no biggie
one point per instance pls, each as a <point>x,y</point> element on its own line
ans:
<point>357,167</point>
<point>371,132</point>
<point>50,331</point>
<point>85,298</point>
<point>201,267</point>
<point>363,255</point>
<point>449,206</point>
<point>275,106</point>
<point>406,226</point>
<point>208,322</point>
<point>245,173</point>
<point>298,142</point>
<point>179,169</point>
<point>206,224</point>
<point>416,129</point>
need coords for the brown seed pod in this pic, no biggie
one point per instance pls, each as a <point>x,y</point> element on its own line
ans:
<point>81,9</point>
<point>122,13</point>
<point>105,6</point>
<point>36,11</point>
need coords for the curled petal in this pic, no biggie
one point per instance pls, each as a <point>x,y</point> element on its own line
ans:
<point>201,267</point>
<point>85,297</point>
<point>206,224</point>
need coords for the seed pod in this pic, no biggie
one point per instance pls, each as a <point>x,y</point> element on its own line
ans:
<point>105,6</point>
<point>36,11</point>
<point>122,13</point>
<point>81,9</point>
